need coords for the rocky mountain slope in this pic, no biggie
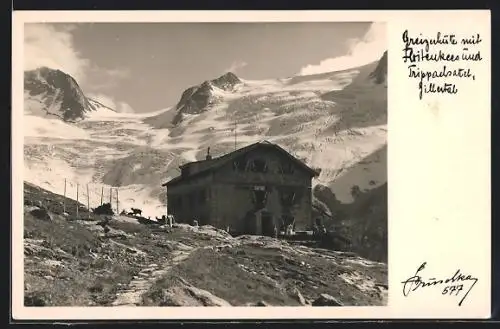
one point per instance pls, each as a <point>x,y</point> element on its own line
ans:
<point>72,261</point>
<point>335,121</point>
<point>59,95</point>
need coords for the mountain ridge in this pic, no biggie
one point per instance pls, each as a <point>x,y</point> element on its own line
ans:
<point>61,94</point>
<point>331,121</point>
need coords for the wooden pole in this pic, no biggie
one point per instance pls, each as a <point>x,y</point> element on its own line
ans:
<point>110,195</point>
<point>88,202</point>
<point>102,193</point>
<point>64,199</point>
<point>77,200</point>
<point>117,209</point>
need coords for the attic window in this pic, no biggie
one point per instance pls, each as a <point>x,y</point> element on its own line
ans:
<point>239,165</point>
<point>287,168</point>
<point>259,165</point>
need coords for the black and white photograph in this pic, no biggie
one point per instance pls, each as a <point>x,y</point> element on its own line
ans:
<point>205,164</point>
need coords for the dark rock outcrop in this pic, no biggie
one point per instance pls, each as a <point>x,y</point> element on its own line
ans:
<point>42,214</point>
<point>380,72</point>
<point>227,81</point>
<point>200,98</point>
<point>61,94</point>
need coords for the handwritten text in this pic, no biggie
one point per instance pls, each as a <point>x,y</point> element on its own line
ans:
<point>451,54</point>
<point>451,286</point>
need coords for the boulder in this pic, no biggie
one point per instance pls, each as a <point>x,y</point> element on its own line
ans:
<point>190,296</point>
<point>326,300</point>
<point>38,298</point>
<point>41,214</point>
<point>297,295</point>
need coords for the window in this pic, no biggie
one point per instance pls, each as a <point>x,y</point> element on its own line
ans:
<point>239,165</point>
<point>286,220</point>
<point>259,198</point>
<point>259,165</point>
<point>287,168</point>
<point>287,198</point>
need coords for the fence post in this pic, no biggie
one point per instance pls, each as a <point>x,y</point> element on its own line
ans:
<point>117,209</point>
<point>88,202</point>
<point>77,185</point>
<point>102,193</point>
<point>64,199</point>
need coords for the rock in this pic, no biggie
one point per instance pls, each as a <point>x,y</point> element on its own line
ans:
<point>53,263</point>
<point>45,244</point>
<point>326,300</point>
<point>207,298</point>
<point>35,299</point>
<point>190,296</point>
<point>298,296</point>
<point>41,214</point>
<point>382,286</point>
<point>30,208</point>
<point>261,303</point>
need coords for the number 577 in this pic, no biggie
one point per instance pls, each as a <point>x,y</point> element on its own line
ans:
<point>452,290</point>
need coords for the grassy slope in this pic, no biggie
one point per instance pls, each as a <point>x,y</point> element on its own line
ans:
<point>61,269</point>
<point>72,262</point>
<point>246,274</point>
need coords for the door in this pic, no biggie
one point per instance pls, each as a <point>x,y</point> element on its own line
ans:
<point>267,224</point>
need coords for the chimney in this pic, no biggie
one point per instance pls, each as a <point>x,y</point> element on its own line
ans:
<point>209,157</point>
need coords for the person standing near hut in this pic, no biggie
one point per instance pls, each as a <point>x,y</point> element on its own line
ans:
<point>170,220</point>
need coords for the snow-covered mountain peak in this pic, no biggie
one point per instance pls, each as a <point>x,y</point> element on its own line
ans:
<point>334,121</point>
<point>227,81</point>
<point>58,95</point>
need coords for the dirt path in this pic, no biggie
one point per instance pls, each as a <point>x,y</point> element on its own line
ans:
<point>132,294</point>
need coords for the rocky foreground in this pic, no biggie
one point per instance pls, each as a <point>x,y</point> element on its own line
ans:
<point>81,262</point>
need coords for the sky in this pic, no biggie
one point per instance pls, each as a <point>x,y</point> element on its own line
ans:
<point>145,67</point>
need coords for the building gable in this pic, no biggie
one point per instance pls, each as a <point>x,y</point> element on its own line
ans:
<point>269,160</point>
<point>256,154</point>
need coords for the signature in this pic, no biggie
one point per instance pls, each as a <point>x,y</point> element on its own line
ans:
<point>453,285</point>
